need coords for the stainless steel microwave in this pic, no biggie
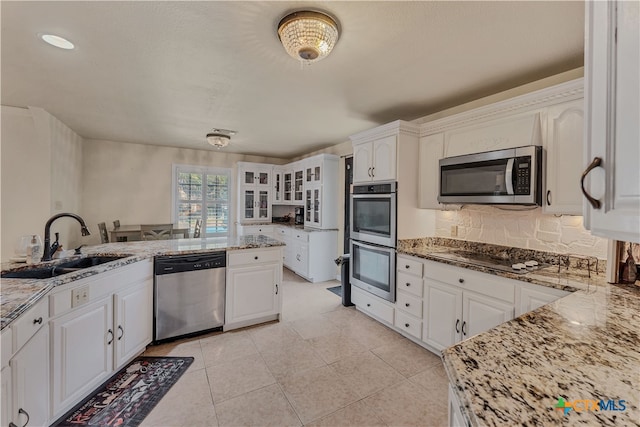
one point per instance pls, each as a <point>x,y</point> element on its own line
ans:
<point>502,177</point>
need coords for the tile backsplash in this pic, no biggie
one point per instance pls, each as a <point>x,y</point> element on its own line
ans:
<point>528,229</point>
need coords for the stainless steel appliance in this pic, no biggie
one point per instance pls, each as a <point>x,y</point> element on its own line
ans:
<point>189,293</point>
<point>373,213</point>
<point>373,268</point>
<point>512,177</point>
<point>299,215</point>
<point>373,238</point>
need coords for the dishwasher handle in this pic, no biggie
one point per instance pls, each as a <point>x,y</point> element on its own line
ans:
<point>182,263</point>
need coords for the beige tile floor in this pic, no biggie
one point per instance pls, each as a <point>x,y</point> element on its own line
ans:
<point>322,365</point>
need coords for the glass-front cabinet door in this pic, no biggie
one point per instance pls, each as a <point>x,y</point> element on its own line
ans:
<point>277,187</point>
<point>307,206</point>
<point>288,186</point>
<point>263,204</point>
<point>298,182</point>
<point>249,197</point>
<point>316,206</point>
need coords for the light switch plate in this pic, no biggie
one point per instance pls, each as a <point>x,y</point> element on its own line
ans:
<point>79,296</point>
<point>454,231</point>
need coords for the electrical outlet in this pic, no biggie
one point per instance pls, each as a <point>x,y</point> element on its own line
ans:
<point>79,296</point>
<point>454,231</point>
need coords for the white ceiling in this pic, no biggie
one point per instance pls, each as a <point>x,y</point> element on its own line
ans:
<point>166,73</point>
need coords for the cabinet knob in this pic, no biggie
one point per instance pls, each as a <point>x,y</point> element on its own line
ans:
<point>37,321</point>
<point>408,284</point>
<point>406,325</point>
<point>255,257</point>
<point>406,304</point>
<point>368,305</point>
<point>461,280</point>
<point>407,266</point>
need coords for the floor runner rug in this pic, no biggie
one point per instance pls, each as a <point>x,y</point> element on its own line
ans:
<point>336,290</point>
<point>130,395</point>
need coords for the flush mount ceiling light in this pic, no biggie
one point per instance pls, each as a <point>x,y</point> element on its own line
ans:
<point>308,36</point>
<point>57,41</point>
<point>220,138</point>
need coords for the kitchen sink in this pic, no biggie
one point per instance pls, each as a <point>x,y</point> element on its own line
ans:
<point>59,269</point>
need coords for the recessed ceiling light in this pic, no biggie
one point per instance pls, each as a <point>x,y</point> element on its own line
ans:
<point>57,41</point>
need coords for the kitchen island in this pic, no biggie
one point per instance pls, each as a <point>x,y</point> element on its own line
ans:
<point>579,350</point>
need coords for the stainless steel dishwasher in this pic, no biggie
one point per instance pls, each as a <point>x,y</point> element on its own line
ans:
<point>189,293</point>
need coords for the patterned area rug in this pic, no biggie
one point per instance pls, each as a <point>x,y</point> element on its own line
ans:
<point>336,290</point>
<point>130,395</point>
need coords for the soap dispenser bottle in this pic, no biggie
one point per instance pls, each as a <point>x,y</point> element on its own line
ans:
<point>33,250</point>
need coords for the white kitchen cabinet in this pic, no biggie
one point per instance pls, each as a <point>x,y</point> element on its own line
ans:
<point>30,382</point>
<point>134,321</point>
<point>481,313</point>
<point>431,151</point>
<point>313,254</point>
<point>373,306</point>
<point>612,85</point>
<point>278,187</point>
<point>301,258</point>
<point>82,345</point>
<point>6,402</point>
<point>563,149</point>
<point>375,160</point>
<point>321,188</point>
<point>443,314</point>
<point>255,192</point>
<point>287,182</point>
<point>532,296</point>
<point>265,230</point>
<point>253,290</point>
<point>298,183</point>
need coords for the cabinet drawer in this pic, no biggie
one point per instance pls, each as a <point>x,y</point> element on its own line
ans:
<point>257,229</point>
<point>29,323</point>
<point>301,236</point>
<point>410,266</point>
<point>372,305</point>
<point>283,232</point>
<point>409,283</point>
<point>253,257</point>
<point>409,303</point>
<point>482,283</point>
<point>408,323</point>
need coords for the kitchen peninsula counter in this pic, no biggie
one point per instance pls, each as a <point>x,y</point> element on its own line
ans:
<point>584,346</point>
<point>18,295</point>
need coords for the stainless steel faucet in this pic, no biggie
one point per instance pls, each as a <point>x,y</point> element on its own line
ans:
<point>47,232</point>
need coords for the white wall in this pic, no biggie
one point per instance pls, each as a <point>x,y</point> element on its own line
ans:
<point>132,182</point>
<point>523,229</point>
<point>41,175</point>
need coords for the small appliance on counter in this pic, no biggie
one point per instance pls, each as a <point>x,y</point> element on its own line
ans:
<point>299,215</point>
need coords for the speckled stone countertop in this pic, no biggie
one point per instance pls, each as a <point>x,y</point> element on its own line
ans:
<point>18,295</point>
<point>584,346</point>
<point>289,225</point>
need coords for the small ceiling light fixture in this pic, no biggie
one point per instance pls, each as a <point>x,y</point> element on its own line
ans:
<point>220,138</point>
<point>308,36</point>
<point>57,41</point>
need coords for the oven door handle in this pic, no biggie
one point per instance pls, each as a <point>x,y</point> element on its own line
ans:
<point>508,176</point>
<point>374,247</point>
<point>373,196</point>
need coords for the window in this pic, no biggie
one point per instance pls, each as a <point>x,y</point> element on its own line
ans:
<point>204,194</point>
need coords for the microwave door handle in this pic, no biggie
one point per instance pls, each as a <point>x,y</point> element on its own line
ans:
<point>508,176</point>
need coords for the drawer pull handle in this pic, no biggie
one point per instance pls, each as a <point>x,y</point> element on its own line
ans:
<point>22,411</point>
<point>548,197</point>
<point>368,305</point>
<point>457,326</point>
<point>121,330</point>
<point>406,325</point>
<point>408,284</point>
<point>461,280</point>
<point>464,332</point>
<point>110,332</point>
<point>276,289</point>
<point>406,304</point>
<point>38,321</point>
<point>597,161</point>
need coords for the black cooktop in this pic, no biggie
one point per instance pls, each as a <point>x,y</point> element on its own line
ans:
<point>488,261</point>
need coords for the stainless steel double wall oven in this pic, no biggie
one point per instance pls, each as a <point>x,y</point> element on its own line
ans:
<point>373,238</point>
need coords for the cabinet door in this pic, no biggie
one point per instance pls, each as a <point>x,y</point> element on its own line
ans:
<point>431,151</point>
<point>384,159</point>
<point>308,205</point>
<point>362,162</point>
<point>443,314</point>
<point>301,263</point>
<point>481,313</point>
<point>264,208</point>
<point>298,186</point>
<point>6,391</point>
<point>612,84</point>
<point>277,186</point>
<point>75,373</point>
<point>287,180</point>
<point>563,146</point>
<point>530,299</point>
<point>30,370</point>
<point>248,210</point>
<point>134,321</point>
<point>252,292</point>
<point>263,178</point>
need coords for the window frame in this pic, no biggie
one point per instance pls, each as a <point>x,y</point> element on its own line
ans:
<point>205,170</point>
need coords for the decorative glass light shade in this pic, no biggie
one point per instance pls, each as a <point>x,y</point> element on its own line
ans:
<point>218,140</point>
<point>308,36</point>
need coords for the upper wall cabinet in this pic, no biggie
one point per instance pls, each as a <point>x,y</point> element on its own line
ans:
<point>612,143</point>
<point>375,160</point>
<point>551,117</point>
<point>321,189</point>
<point>254,191</point>
<point>563,147</point>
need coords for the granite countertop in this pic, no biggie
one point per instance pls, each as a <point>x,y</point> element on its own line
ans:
<point>288,225</point>
<point>584,346</point>
<point>18,295</point>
